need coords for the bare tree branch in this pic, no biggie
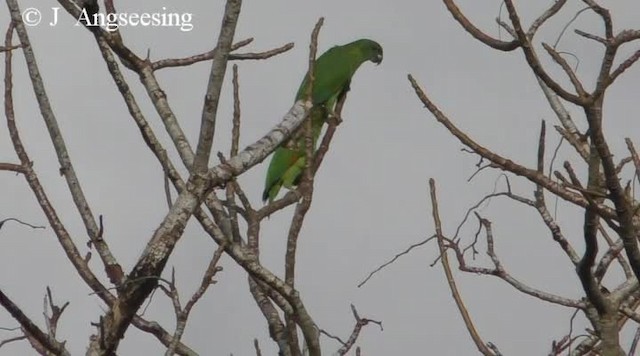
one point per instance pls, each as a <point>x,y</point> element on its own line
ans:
<point>112,268</point>
<point>32,179</point>
<point>214,87</point>
<point>480,344</point>
<point>477,33</point>
<point>30,329</point>
<point>566,68</point>
<point>360,323</point>
<point>11,167</point>
<point>182,314</point>
<point>532,59</point>
<point>187,61</point>
<point>306,186</point>
<point>541,206</point>
<point>533,175</point>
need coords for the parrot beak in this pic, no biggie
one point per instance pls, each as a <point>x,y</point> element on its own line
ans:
<point>378,59</point>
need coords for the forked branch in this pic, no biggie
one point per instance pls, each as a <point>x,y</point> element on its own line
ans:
<point>480,344</point>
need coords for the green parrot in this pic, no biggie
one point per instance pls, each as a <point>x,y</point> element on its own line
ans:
<point>333,72</point>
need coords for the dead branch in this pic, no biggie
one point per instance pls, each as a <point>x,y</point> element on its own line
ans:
<point>306,187</point>
<point>112,268</point>
<point>256,345</point>
<point>11,167</point>
<point>261,55</point>
<point>32,179</point>
<point>606,310</point>
<point>63,236</point>
<point>634,156</point>
<point>549,13</point>
<point>493,347</point>
<point>587,262</point>
<point>134,290</point>
<point>480,344</point>
<point>506,164</point>
<point>30,329</point>
<point>360,323</point>
<point>541,206</point>
<point>52,313</point>
<point>254,153</point>
<point>164,110</point>
<point>187,61</point>
<point>133,294</point>
<point>500,272</point>
<point>182,314</point>
<point>624,210</point>
<point>162,335</point>
<point>566,68</point>
<point>235,140</point>
<point>477,33</point>
<point>214,86</point>
<point>615,247</point>
<point>532,58</point>
<point>187,201</point>
<point>626,64</point>
<point>591,36</point>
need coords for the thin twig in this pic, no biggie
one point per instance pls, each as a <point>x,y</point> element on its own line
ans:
<point>566,68</point>
<point>12,339</point>
<point>21,222</point>
<point>381,267</point>
<point>256,345</point>
<point>235,142</point>
<point>634,343</point>
<point>566,26</point>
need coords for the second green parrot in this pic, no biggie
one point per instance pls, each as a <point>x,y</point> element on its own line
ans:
<point>333,72</point>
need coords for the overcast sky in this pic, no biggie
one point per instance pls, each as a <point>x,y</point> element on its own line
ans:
<point>371,194</point>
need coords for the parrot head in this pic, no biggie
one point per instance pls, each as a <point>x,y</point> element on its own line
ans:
<point>373,51</point>
<point>369,50</point>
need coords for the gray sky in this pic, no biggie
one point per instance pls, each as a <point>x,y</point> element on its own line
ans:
<point>371,195</point>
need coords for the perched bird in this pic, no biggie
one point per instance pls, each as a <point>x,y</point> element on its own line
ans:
<point>333,71</point>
